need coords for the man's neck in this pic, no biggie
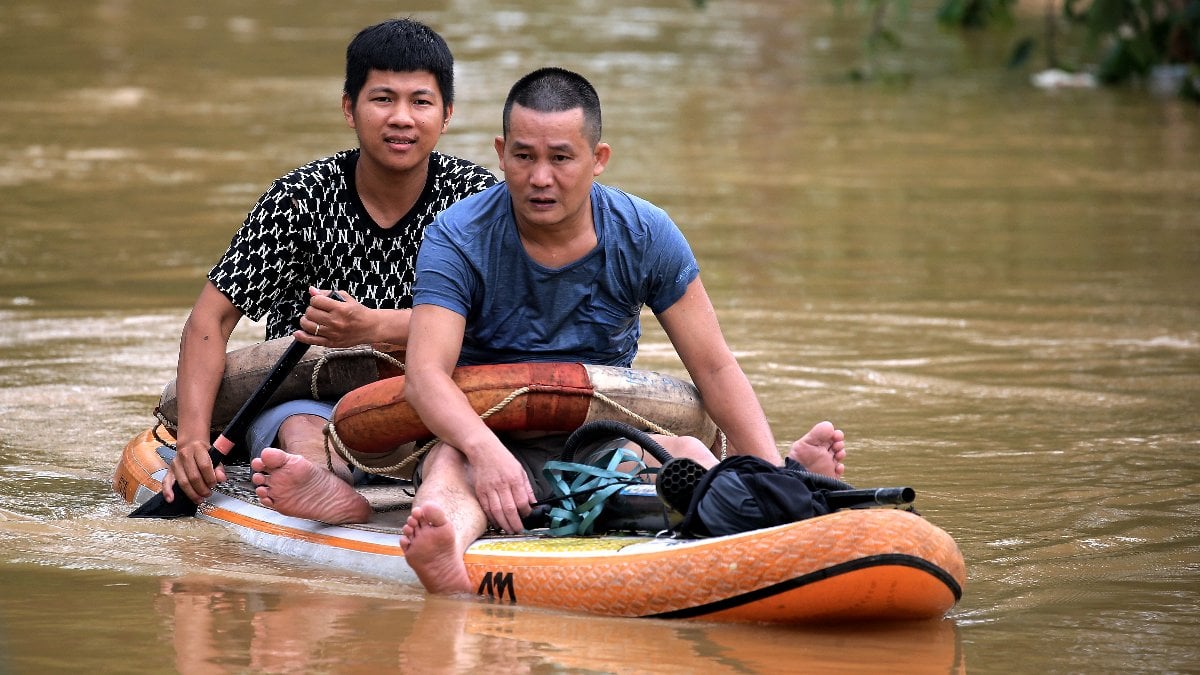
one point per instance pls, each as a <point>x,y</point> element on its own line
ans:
<point>562,244</point>
<point>389,195</point>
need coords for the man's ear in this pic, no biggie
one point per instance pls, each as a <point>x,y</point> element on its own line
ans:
<point>602,154</point>
<point>348,110</point>
<point>447,113</point>
<point>499,142</point>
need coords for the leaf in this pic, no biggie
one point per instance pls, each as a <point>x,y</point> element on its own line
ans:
<point>890,38</point>
<point>1143,53</point>
<point>1021,53</point>
<point>1117,64</point>
<point>1106,16</point>
<point>950,13</point>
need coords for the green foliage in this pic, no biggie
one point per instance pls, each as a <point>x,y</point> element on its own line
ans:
<point>880,36</point>
<point>1126,39</point>
<point>975,13</point>
<point>1022,52</point>
<point>1132,37</point>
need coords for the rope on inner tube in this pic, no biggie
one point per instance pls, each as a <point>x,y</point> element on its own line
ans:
<point>346,454</point>
<point>339,352</point>
<point>334,443</point>
<point>328,354</point>
<point>651,426</point>
<point>162,424</point>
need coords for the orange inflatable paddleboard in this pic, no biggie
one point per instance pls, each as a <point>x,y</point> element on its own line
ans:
<point>851,565</point>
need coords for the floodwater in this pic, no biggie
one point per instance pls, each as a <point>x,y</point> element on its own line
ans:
<point>992,289</point>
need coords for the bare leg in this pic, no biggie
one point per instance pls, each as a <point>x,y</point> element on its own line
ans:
<point>304,435</point>
<point>445,520</point>
<point>822,450</point>
<point>294,480</point>
<point>676,446</point>
<point>685,446</point>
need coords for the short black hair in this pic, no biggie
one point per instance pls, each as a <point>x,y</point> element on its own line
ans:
<point>557,90</point>
<point>400,45</point>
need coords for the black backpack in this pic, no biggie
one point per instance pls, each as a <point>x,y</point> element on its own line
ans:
<point>744,493</point>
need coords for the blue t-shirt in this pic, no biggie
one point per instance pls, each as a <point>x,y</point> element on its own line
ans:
<point>472,262</point>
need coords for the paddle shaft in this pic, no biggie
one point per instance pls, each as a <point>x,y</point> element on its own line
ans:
<point>889,496</point>
<point>257,401</point>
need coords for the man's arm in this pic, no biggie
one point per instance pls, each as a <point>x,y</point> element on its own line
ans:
<point>201,367</point>
<point>691,324</point>
<point>434,344</point>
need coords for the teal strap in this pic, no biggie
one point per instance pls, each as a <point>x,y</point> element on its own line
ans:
<point>572,481</point>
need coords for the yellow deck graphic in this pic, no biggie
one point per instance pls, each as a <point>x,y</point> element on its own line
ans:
<point>556,544</point>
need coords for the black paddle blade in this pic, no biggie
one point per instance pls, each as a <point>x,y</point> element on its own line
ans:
<point>158,507</point>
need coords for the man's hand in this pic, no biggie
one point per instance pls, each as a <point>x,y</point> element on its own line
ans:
<point>502,488</point>
<point>330,323</point>
<point>192,472</point>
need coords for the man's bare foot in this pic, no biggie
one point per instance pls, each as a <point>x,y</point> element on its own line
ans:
<point>822,450</point>
<point>428,543</point>
<point>294,486</point>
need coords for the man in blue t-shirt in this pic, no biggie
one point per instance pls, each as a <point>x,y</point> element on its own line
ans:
<point>474,262</point>
<point>551,266</point>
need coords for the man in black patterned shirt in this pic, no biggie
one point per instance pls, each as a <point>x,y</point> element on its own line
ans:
<point>351,222</point>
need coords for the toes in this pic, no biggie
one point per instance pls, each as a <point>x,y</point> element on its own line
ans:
<point>270,458</point>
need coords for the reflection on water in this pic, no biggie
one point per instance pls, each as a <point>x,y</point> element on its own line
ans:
<point>991,289</point>
<point>236,624</point>
<point>296,629</point>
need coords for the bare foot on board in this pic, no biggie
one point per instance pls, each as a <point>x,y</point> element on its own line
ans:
<point>294,486</point>
<point>429,547</point>
<point>822,450</point>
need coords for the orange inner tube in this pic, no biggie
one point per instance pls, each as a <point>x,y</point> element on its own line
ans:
<point>376,418</point>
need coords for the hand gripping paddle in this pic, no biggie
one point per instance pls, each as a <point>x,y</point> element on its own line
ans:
<point>157,506</point>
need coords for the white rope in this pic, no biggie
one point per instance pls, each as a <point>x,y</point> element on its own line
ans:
<point>334,443</point>
<point>651,426</point>
<point>339,352</point>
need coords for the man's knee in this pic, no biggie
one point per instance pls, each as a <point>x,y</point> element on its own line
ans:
<point>689,447</point>
<point>442,468</point>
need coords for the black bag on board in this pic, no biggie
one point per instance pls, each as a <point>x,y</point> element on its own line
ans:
<point>744,493</point>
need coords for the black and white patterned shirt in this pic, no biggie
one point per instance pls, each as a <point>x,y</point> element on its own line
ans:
<point>311,229</point>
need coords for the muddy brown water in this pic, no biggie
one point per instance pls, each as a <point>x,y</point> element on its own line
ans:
<point>992,289</point>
